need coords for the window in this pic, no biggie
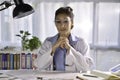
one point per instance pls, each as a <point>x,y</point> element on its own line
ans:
<point>108,25</point>
<point>10,27</point>
<point>83,21</point>
<point>94,21</point>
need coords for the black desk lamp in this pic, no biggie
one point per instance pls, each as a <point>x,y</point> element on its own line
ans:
<point>20,10</point>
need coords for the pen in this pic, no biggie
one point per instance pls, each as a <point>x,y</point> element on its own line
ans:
<point>80,78</point>
<point>39,78</point>
<point>88,75</point>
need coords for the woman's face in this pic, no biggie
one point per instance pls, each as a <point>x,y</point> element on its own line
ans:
<point>63,23</point>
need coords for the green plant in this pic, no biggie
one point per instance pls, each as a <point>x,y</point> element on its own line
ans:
<point>27,43</point>
<point>34,43</point>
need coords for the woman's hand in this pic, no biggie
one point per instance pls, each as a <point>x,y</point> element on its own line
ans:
<point>62,42</point>
<point>65,43</point>
<point>56,45</point>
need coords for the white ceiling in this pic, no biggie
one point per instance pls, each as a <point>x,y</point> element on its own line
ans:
<point>38,1</point>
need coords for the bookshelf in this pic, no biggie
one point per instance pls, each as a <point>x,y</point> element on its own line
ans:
<point>14,60</point>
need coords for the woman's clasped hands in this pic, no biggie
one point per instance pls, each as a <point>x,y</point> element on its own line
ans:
<point>62,42</point>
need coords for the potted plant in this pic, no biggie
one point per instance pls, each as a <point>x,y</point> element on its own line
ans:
<point>28,44</point>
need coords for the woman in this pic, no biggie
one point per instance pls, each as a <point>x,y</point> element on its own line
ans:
<point>64,51</point>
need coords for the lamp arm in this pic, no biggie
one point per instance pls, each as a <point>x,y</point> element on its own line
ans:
<point>2,9</point>
<point>17,2</point>
<point>5,5</point>
<point>1,4</point>
<point>8,4</point>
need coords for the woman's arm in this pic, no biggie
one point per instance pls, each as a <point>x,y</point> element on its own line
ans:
<point>81,56</point>
<point>44,58</point>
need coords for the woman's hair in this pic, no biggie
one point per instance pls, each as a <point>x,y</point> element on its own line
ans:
<point>65,10</point>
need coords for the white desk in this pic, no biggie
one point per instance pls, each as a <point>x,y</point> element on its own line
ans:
<point>45,75</point>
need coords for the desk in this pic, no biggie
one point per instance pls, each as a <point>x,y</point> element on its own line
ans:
<point>41,75</point>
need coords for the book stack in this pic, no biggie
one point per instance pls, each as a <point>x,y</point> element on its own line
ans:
<point>14,61</point>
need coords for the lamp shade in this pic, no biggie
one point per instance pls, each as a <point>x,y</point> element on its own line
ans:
<point>21,9</point>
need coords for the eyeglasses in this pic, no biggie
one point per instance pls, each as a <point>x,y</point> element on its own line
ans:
<point>60,22</point>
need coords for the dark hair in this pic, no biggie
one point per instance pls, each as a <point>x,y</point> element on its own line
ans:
<point>65,10</point>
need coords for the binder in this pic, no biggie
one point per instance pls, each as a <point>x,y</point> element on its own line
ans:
<point>8,60</point>
<point>28,61</point>
<point>18,61</point>
<point>15,61</point>
<point>11,61</point>
<point>4,61</point>
<point>23,61</point>
<point>0,61</point>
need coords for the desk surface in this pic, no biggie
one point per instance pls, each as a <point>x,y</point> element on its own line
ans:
<point>42,75</point>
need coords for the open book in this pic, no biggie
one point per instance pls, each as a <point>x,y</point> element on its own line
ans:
<point>105,75</point>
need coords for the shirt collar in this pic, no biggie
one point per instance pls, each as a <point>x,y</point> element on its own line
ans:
<point>73,39</point>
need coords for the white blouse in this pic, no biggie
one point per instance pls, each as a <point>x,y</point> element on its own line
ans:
<point>78,58</point>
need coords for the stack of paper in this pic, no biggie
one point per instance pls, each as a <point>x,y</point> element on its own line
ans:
<point>105,75</point>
